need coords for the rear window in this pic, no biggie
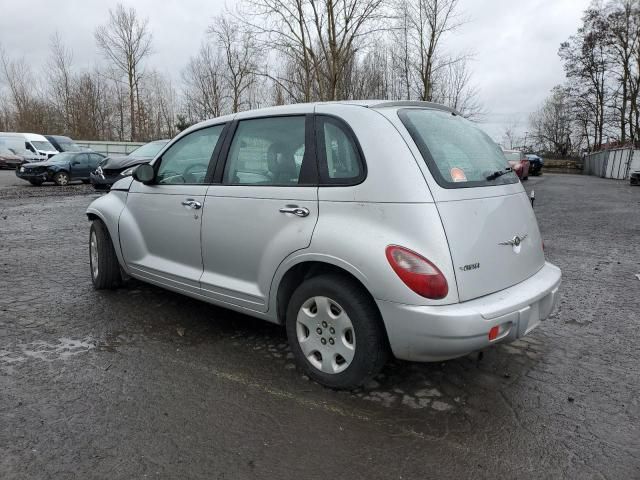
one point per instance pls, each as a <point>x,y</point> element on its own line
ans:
<point>513,156</point>
<point>456,151</point>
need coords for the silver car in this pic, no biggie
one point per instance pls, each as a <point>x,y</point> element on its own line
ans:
<point>365,228</point>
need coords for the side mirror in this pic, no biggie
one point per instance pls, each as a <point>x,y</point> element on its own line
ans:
<point>144,173</point>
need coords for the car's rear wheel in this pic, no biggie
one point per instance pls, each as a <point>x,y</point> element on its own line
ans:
<point>105,269</point>
<point>61,179</point>
<point>335,332</point>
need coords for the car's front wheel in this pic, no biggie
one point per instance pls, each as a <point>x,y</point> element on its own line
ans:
<point>105,269</point>
<point>35,183</point>
<point>335,332</point>
<point>61,179</point>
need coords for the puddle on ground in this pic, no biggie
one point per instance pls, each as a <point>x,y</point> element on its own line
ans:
<point>63,349</point>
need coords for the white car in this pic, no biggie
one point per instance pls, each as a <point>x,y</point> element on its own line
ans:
<point>363,227</point>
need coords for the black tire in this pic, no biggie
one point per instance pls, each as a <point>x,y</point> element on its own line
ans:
<point>35,183</point>
<point>61,179</point>
<point>107,275</point>
<point>371,347</point>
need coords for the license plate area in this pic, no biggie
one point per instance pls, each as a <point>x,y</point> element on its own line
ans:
<point>529,318</point>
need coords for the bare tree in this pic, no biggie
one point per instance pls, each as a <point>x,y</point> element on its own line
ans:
<point>551,125</point>
<point>126,41</point>
<point>430,21</point>
<point>623,28</point>
<point>283,26</point>
<point>240,56</point>
<point>453,87</point>
<point>317,38</point>
<point>510,137</point>
<point>203,88</point>
<point>29,110</point>
<point>61,81</point>
<point>586,62</point>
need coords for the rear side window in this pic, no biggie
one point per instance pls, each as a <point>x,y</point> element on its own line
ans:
<point>340,159</point>
<point>457,152</point>
<point>267,151</point>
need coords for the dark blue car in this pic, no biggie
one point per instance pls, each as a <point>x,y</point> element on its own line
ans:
<point>535,164</point>
<point>61,168</point>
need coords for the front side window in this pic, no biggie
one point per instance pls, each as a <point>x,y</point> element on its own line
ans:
<point>82,159</point>
<point>267,151</point>
<point>187,160</point>
<point>64,158</point>
<point>457,152</point>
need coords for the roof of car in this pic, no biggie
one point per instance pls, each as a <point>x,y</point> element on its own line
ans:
<point>302,108</point>
<point>59,137</point>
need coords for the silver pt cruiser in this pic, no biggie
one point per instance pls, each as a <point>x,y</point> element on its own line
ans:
<point>366,228</point>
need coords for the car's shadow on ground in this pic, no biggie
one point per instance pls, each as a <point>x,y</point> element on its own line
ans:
<point>140,313</point>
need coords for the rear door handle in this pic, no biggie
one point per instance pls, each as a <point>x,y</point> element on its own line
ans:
<point>191,203</point>
<point>296,210</point>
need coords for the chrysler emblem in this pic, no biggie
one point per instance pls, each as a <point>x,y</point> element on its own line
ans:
<point>515,241</point>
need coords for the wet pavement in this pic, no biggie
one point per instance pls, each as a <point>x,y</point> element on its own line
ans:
<point>145,383</point>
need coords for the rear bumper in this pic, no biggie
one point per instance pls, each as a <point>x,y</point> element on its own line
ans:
<point>434,333</point>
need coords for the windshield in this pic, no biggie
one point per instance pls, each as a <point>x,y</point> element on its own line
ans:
<point>43,146</point>
<point>70,147</point>
<point>149,150</point>
<point>456,151</point>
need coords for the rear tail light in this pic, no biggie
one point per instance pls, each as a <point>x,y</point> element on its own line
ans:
<point>417,273</point>
<point>493,333</point>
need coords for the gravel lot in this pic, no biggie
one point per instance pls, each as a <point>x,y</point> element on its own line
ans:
<point>142,382</point>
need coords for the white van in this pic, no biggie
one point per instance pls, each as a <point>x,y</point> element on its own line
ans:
<point>34,143</point>
<point>15,143</point>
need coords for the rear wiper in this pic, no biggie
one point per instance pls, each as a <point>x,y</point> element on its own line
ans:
<point>499,173</point>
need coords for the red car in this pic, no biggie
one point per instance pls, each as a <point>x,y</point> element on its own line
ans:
<point>8,159</point>
<point>518,162</point>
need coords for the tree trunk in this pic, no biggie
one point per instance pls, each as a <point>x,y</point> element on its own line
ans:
<point>132,106</point>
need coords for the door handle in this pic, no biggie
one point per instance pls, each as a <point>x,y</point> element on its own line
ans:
<point>296,210</point>
<point>191,203</point>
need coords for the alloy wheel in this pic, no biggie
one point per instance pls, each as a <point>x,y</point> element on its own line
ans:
<point>62,179</point>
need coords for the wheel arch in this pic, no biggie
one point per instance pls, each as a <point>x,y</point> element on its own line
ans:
<point>107,209</point>
<point>294,272</point>
<point>289,277</point>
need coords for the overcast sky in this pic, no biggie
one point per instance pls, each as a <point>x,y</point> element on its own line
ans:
<point>515,42</point>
